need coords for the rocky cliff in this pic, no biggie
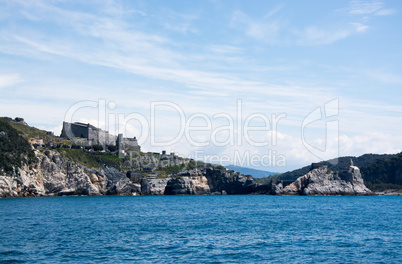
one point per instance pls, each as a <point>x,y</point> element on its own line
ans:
<point>54,174</point>
<point>188,185</point>
<point>153,186</point>
<point>323,181</point>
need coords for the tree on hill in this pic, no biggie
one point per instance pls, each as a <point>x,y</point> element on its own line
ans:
<point>14,149</point>
<point>385,173</point>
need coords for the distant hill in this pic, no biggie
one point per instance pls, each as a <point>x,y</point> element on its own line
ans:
<point>336,165</point>
<point>253,172</point>
<point>379,171</point>
<point>384,173</point>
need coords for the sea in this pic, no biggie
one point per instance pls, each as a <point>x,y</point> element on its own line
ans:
<point>201,229</point>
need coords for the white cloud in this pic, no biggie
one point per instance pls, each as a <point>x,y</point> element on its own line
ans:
<point>317,36</point>
<point>364,7</point>
<point>385,12</point>
<point>174,21</point>
<point>368,8</point>
<point>182,28</point>
<point>7,80</point>
<point>360,27</point>
<point>119,9</point>
<point>263,31</point>
<point>224,49</point>
<point>144,55</point>
<point>371,142</point>
<point>260,29</point>
<point>381,75</point>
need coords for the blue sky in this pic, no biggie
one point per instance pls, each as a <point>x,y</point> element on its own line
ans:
<point>272,57</point>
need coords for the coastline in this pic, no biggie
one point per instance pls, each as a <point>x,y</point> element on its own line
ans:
<point>390,192</point>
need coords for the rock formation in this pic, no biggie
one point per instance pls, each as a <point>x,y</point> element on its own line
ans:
<point>322,181</point>
<point>229,182</point>
<point>188,185</point>
<point>209,181</point>
<point>57,175</point>
<point>53,174</point>
<point>154,186</point>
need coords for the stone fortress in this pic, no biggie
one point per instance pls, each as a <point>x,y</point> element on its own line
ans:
<point>87,134</point>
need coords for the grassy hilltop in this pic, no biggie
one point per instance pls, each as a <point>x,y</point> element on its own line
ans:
<point>19,140</point>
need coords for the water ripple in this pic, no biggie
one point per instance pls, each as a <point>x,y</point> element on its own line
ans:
<point>201,229</point>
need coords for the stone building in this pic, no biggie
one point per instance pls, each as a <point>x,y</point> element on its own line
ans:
<point>129,144</point>
<point>93,134</point>
<point>82,133</point>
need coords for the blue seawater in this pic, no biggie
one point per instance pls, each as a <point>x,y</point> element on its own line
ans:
<point>201,229</point>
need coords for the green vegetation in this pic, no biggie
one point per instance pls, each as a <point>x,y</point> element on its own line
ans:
<point>192,164</point>
<point>379,172</point>
<point>221,168</point>
<point>80,156</point>
<point>110,160</point>
<point>14,149</point>
<point>268,180</point>
<point>91,159</point>
<point>171,169</point>
<point>384,174</point>
<point>28,132</point>
<point>339,164</point>
<point>379,187</point>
